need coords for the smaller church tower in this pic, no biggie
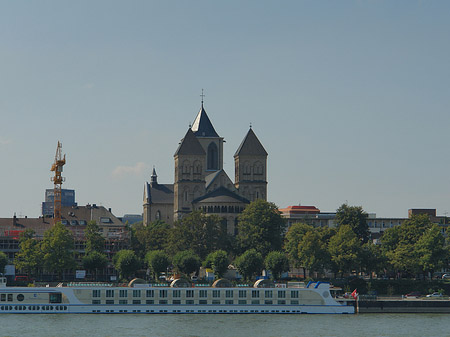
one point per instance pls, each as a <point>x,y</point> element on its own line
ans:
<point>190,162</point>
<point>158,201</point>
<point>250,162</point>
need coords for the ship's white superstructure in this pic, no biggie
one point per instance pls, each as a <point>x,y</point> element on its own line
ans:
<point>177,298</point>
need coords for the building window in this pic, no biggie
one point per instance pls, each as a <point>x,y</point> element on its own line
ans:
<point>109,293</point>
<point>203,293</point>
<point>189,293</point>
<point>242,293</point>
<point>96,293</point>
<point>294,293</point>
<point>268,293</point>
<point>216,293</point>
<point>163,293</point>
<point>213,157</point>
<point>255,293</point>
<point>228,293</point>
<point>136,293</point>
<point>150,293</point>
<point>123,293</point>
<point>281,294</point>
<point>176,293</point>
<point>158,215</point>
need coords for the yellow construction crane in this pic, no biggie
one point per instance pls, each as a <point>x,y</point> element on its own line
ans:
<point>57,167</point>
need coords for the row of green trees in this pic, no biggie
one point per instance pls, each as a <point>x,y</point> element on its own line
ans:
<point>55,252</point>
<point>415,247</point>
<point>260,227</point>
<point>249,264</point>
<point>262,241</point>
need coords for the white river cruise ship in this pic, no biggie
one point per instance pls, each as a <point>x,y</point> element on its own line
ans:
<point>180,297</point>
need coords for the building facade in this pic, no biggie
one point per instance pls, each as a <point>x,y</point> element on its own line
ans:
<point>201,182</point>
<point>67,200</point>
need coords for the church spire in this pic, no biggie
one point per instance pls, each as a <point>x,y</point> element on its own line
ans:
<point>202,126</point>
<point>154,177</point>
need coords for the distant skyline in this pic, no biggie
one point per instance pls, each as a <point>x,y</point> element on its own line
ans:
<point>349,98</point>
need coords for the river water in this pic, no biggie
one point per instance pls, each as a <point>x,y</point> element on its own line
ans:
<point>225,325</point>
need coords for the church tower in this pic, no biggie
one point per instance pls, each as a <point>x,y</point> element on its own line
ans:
<point>190,162</point>
<point>250,161</point>
<point>209,140</point>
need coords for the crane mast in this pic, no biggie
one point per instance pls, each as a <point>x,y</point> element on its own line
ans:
<point>57,179</point>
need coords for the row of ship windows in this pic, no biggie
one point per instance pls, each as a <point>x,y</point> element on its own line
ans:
<point>192,302</point>
<point>203,311</point>
<point>33,307</point>
<point>201,293</point>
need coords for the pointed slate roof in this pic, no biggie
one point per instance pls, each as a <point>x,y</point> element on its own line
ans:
<point>251,146</point>
<point>202,126</point>
<point>190,145</point>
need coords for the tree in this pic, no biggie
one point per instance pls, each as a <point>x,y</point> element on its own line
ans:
<point>126,263</point>
<point>372,258</point>
<point>3,262</point>
<point>250,263</point>
<point>95,242</point>
<point>277,263</point>
<point>29,258</point>
<point>430,248</point>
<point>57,248</point>
<point>261,226</point>
<point>186,262</point>
<point>157,261</point>
<point>344,248</point>
<point>218,262</point>
<point>293,237</point>
<point>200,233</point>
<point>94,261</point>
<point>356,218</point>
<point>312,251</point>
<point>415,246</point>
<point>148,238</point>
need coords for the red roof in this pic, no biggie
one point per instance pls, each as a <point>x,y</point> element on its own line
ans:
<point>300,209</point>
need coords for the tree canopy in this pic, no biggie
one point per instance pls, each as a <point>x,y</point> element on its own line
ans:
<point>261,227</point>
<point>29,257</point>
<point>149,238</point>
<point>95,242</point>
<point>94,261</point>
<point>356,218</point>
<point>415,246</point>
<point>277,263</point>
<point>200,233</point>
<point>344,248</point>
<point>218,261</point>
<point>157,261</point>
<point>249,264</point>
<point>186,262</point>
<point>3,262</point>
<point>57,248</point>
<point>126,263</point>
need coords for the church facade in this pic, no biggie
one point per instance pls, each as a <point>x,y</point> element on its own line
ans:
<point>200,181</point>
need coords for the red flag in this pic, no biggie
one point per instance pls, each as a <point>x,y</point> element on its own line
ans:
<point>354,294</point>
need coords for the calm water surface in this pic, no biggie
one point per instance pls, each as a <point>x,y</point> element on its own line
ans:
<point>226,325</point>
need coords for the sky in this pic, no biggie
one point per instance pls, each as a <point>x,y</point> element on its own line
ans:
<point>349,98</point>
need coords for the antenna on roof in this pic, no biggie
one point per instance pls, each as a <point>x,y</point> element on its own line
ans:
<point>250,125</point>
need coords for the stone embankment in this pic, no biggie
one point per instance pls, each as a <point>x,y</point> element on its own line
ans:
<point>403,306</point>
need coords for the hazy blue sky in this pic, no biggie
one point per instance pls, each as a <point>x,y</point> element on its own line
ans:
<point>349,98</point>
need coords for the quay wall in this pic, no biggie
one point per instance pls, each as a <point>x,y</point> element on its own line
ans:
<point>403,306</point>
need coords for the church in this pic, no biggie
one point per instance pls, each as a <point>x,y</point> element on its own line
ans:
<point>200,181</point>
